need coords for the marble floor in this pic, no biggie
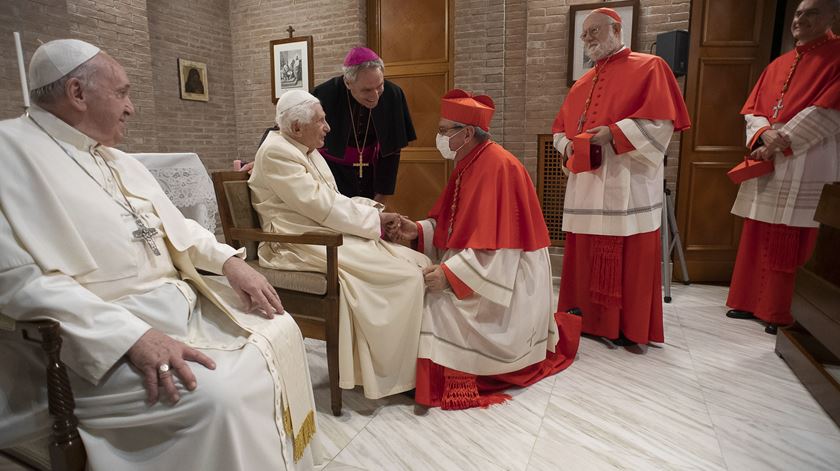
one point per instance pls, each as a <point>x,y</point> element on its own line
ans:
<point>714,397</point>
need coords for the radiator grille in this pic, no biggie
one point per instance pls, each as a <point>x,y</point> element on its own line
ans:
<point>551,187</point>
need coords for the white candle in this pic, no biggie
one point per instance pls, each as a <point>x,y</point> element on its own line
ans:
<point>23,86</point>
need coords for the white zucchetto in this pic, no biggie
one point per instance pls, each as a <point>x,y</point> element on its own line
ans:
<point>56,59</point>
<point>293,98</point>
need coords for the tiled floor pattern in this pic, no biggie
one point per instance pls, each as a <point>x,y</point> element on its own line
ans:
<point>714,397</point>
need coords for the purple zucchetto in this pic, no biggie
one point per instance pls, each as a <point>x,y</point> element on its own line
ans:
<point>358,55</point>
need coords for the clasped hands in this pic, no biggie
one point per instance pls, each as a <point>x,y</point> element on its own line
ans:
<point>397,228</point>
<point>158,356</point>
<point>774,141</point>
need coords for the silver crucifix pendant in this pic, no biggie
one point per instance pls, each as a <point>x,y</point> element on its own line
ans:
<point>146,234</point>
<point>777,108</point>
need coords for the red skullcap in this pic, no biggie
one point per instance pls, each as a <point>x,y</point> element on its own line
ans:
<point>609,12</point>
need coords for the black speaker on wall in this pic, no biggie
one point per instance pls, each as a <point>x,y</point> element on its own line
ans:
<point>673,47</point>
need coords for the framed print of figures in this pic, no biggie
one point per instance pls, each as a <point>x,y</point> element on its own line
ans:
<point>579,61</point>
<point>291,65</point>
<point>193,78</point>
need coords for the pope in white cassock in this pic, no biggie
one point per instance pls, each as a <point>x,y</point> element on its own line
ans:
<point>88,238</point>
<point>381,292</point>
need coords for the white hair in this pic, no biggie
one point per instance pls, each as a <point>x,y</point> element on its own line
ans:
<point>52,92</point>
<point>352,71</point>
<point>301,113</point>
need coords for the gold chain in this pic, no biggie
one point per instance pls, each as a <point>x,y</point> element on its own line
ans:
<point>353,124</point>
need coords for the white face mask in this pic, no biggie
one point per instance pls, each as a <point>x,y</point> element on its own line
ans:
<point>442,143</point>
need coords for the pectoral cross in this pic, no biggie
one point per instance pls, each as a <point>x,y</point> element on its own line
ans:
<point>146,234</point>
<point>777,108</point>
<point>361,166</point>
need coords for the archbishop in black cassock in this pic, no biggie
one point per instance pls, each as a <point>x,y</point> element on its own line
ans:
<point>370,124</point>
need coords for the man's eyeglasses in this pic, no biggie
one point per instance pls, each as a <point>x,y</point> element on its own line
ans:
<point>443,131</point>
<point>593,31</point>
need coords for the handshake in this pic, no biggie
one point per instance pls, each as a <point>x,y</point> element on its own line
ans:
<point>397,228</point>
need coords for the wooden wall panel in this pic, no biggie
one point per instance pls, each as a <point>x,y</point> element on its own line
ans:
<point>718,121</point>
<point>725,60</point>
<point>420,182</point>
<point>423,94</point>
<point>414,31</point>
<point>713,189</point>
<point>730,23</point>
<point>414,38</point>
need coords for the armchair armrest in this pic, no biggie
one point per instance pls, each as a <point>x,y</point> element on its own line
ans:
<point>66,449</point>
<point>329,239</point>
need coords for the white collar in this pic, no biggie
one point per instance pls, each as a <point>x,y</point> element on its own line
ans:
<point>61,130</point>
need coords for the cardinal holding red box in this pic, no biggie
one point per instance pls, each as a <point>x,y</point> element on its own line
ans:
<point>614,127</point>
<point>586,155</point>
<point>793,130</point>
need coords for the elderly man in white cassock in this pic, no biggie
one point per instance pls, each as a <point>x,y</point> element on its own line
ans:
<point>169,372</point>
<point>381,302</point>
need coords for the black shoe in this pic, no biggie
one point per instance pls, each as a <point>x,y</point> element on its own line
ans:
<point>623,341</point>
<point>736,314</point>
<point>772,329</point>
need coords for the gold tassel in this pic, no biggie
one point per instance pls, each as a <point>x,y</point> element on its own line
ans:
<point>304,435</point>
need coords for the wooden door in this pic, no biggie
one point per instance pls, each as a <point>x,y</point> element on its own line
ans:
<point>415,40</point>
<point>729,48</point>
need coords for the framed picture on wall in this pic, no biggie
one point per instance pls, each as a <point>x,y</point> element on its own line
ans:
<point>193,78</point>
<point>291,65</point>
<point>579,60</point>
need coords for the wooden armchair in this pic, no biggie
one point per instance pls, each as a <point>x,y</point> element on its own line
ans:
<point>310,297</point>
<point>65,451</point>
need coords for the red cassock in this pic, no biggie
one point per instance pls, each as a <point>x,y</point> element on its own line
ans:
<point>497,208</point>
<point>765,269</point>
<point>616,280</point>
<point>768,254</point>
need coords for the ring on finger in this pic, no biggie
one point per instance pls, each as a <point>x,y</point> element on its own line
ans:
<point>163,369</point>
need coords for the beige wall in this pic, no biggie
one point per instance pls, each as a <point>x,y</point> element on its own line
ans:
<point>335,25</point>
<point>513,50</point>
<point>147,37</point>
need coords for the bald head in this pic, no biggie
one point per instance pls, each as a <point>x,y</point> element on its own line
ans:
<point>813,19</point>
